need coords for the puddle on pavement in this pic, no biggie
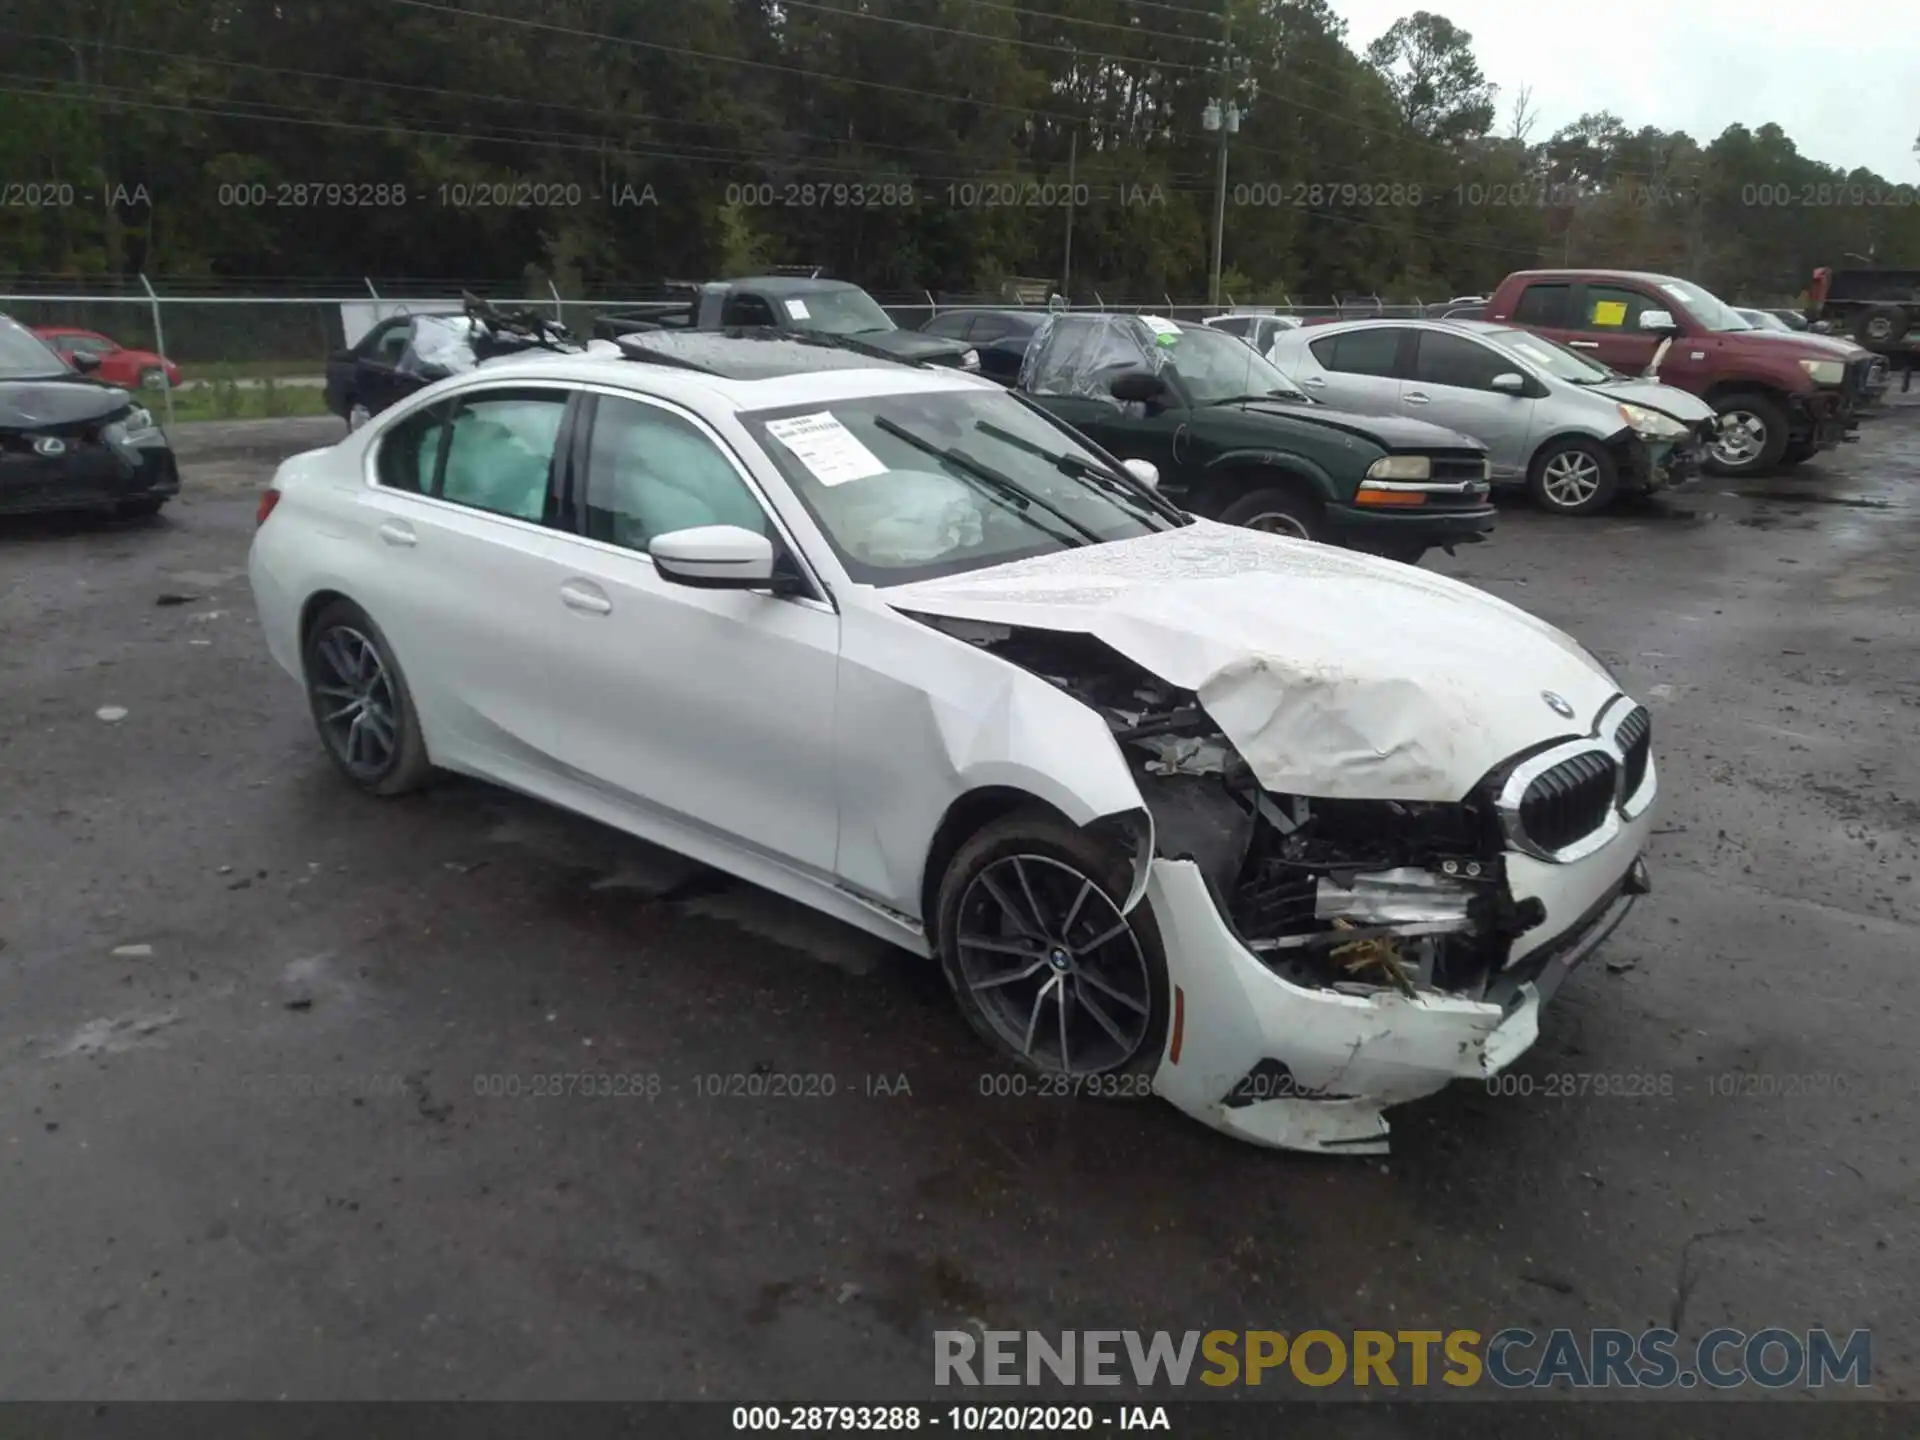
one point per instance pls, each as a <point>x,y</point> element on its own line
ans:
<point>1850,502</point>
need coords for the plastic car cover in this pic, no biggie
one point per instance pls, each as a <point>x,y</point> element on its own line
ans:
<point>1080,354</point>
<point>439,345</point>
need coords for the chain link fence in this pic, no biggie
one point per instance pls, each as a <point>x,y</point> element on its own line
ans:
<point>280,334</point>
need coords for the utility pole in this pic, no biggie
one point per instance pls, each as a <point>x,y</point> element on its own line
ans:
<point>1066,260</point>
<point>1222,114</point>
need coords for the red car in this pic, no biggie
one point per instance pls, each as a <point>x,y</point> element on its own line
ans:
<point>118,364</point>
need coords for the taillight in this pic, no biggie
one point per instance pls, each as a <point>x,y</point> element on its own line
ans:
<point>268,499</point>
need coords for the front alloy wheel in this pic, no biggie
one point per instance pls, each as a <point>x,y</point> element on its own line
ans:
<point>1054,966</point>
<point>1751,437</point>
<point>1740,439</point>
<point>1029,932</point>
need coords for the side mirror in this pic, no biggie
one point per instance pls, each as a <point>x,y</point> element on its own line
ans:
<point>1510,383</point>
<point>714,557</point>
<point>85,361</point>
<point>1660,321</point>
<point>1145,471</point>
<point>1142,386</point>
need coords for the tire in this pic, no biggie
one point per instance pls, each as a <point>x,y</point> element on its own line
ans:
<point>1009,987</point>
<point>153,378</point>
<point>1765,427</point>
<point>1278,512</point>
<point>1881,325</point>
<point>1798,451</point>
<point>1572,476</point>
<point>390,756</point>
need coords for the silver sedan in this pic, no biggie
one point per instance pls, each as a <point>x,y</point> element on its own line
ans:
<point>1576,434</point>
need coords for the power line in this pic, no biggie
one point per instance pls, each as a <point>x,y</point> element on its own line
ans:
<point>1002,39</point>
<point>453,94</point>
<point>522,23</point>
<point>64,91</point>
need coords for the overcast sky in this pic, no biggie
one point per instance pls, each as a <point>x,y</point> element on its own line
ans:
<point>1841,77</point>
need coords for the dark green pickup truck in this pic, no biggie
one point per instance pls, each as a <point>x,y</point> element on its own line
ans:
<point>1235,440</point>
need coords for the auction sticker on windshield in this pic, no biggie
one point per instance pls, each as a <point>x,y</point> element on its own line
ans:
<point>1164,330</point>
<point>832,453</point>
<point>796,309</point>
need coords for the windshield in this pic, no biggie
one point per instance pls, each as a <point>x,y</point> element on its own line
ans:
<point>1549,355</point>
<point>1761,320</point>
<point>24,355</point>
<point>834,312</point>
<point>910,487</point>
<point>1710,310</point>
<point>1215,366</point>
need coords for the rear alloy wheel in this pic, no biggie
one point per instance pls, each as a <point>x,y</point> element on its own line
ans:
<point>1041,959</point>
<point>1573,477</point>
<point>153,378</point>
<point>361,704</point>
<point>1751,438</point>
<point>1278,512</point>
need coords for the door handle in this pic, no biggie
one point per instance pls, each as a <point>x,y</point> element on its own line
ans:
<point>1414,397</point>
<point>1315,381</point>
<point>589,599</point>
<point>398,532</point>
<point>1584,344</point>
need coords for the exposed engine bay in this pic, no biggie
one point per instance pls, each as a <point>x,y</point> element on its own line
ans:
<point>1352,895</point>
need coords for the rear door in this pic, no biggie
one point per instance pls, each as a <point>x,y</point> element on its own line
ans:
<point>1547,307</point>
<point>463,510</point>
<point>1360,369</point>
<point>1450,383</point>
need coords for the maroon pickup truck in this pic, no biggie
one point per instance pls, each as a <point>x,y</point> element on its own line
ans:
<point>1780,398</point>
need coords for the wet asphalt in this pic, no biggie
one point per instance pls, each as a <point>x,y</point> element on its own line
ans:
<point>268,1048</point>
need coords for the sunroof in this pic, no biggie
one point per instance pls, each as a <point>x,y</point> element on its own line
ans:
<point>741,354</point>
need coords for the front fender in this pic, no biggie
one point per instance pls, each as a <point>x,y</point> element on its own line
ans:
<point>924,719</point>
<point>1221,466</point>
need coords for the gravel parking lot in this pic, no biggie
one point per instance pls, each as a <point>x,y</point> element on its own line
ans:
<point>268,1047</point>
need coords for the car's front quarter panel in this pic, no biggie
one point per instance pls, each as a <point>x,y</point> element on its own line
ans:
<point>924,719</point>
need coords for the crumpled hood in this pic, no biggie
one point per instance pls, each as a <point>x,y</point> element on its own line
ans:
<point>1334,674</point>
<point>1687,408</point>
<point>1393,431</point>
<point>58,404</point>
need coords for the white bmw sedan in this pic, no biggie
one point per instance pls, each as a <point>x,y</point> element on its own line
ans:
<point>1284,834</point>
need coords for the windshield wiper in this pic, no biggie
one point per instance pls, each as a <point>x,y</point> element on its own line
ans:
<point>1243,399</point>
<point>1128,489</point>
<point>1005,485</point>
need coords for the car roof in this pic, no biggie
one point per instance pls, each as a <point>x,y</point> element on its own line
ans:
<point>1375,322</point>
<point>787,284</point>
<point>1645,276</point>
<point>1008,310</point>
<point>742,371</point>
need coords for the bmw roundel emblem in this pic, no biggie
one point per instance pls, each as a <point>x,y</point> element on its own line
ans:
<point>1557,704</point>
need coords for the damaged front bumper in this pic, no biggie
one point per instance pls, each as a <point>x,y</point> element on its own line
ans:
<point>1310,1068</point>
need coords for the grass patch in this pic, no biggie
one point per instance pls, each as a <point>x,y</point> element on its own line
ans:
<point>225,399</point>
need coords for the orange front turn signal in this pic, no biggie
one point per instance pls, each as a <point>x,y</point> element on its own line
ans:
<point>1370,496</point>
